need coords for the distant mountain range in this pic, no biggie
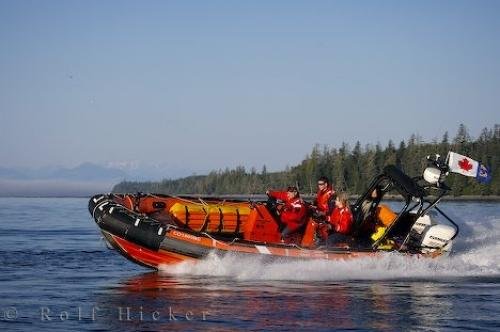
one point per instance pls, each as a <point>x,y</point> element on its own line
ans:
<point>82,180</point>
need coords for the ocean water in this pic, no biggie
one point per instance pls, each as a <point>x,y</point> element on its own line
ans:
<point>57,274</point>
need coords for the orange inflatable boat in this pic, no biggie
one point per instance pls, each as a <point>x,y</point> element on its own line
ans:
<point>155,229</point>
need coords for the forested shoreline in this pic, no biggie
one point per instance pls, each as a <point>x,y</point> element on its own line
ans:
<point>350,168</point>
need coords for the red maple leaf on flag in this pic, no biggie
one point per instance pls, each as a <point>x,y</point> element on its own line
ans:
<point>465,164</point>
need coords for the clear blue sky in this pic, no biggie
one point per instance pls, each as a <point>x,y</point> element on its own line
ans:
<point>209,84</point>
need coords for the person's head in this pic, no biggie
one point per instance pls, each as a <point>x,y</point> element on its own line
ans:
<point>342,200</point>
<point>292,192</point>
<point>323,183</point>
<point>376,193</point>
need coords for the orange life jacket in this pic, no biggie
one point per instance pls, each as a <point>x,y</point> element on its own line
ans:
<point>324,200</point>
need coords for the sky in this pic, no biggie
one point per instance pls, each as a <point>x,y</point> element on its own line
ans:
<point>202,85</point>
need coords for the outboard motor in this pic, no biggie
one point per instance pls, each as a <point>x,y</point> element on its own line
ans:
<point>426,236</point>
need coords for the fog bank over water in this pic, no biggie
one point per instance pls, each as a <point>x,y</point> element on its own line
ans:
<point>85,179</point>
<point>50,188</point>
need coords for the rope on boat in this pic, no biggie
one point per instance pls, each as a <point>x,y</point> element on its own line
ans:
<point>214,241</point>
<point>233,241</point>
<point>100,205</point>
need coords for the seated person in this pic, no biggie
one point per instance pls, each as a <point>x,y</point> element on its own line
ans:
<point>293,213</point>
<point>325,198</point>
<point>339,222</point>
<point>368,208</point>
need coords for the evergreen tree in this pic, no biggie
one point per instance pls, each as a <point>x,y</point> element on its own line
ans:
<point>400,154</point>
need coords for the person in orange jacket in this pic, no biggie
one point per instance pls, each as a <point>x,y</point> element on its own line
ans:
<point>340,221</point>
<point>293,213</point>
<point>325,198</point>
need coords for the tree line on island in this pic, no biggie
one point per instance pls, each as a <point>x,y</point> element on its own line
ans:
<point>350,169</point>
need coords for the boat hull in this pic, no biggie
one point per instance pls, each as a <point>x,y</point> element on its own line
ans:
<point>154,244</point>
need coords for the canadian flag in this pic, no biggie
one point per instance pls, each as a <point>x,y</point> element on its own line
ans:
<point>462,164</point>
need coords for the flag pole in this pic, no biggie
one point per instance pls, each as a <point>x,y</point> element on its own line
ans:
<point>447,158</point>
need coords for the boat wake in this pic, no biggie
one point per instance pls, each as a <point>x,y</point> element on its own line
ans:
<point>475,254</point>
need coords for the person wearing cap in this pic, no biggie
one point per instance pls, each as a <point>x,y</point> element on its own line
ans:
<point>293,213</point>
<point>325,197</point>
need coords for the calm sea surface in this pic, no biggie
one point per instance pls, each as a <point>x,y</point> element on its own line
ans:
<point>57,274</point>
